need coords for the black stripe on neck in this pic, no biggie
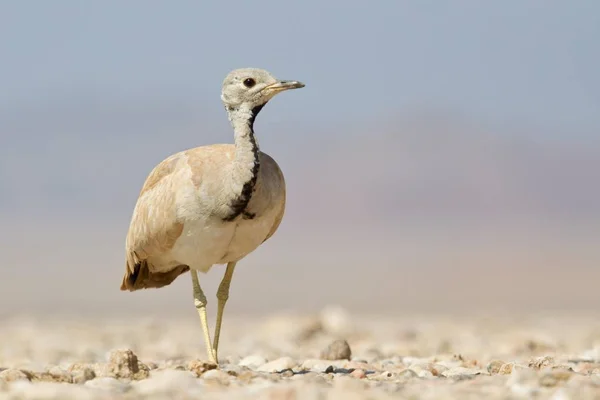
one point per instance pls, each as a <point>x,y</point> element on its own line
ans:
<point>240,203</point>
<point>253,115</point>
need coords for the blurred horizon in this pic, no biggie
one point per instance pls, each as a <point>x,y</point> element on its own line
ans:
<point>440,158</point>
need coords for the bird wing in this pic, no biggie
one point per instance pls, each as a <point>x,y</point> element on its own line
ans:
<point>277,221</point>
<point>279,216</point>
<point>154,228</point>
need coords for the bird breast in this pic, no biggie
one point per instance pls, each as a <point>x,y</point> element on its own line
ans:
<point>208,239</point>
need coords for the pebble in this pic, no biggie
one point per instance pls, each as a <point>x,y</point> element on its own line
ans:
<point>319,365</point>
<point>541,362</point>
<point>252,361</point>
<point>494,366</point>
<point>404,374</point>
<point>460,372</point>
<point>554,378</point>
<point>358,374</point>
<point>11,375</point>
<point>125,364</point>
<point>277,365</point>
<point>506,369</point>
<point>337,350</point>
<point>428,370</point>
<point>217,375</point>
<point>358,365</point>
<point>198,367</point>
<point>54,374</point>
<point>81,373</point>
<point>287,373</point>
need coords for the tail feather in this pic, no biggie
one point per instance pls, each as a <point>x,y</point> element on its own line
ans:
<point>142,278</point>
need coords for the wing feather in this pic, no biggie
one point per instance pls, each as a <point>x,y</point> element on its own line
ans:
<point>154,228</point>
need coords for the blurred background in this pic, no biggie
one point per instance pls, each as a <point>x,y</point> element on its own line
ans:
<point>443,157</point>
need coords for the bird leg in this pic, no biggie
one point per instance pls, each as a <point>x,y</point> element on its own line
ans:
<point>222,296</point>
<point>200,303</point>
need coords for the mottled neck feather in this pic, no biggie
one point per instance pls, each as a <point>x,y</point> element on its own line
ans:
<point>246,163</point>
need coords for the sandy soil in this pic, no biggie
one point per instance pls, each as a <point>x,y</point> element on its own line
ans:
<point>303,357</point>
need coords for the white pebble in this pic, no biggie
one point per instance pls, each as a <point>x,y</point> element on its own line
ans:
<point>253,361</point>
<point>461,371</point>
<point>278,365</point>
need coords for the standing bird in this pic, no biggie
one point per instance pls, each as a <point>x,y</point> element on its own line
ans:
<point>209,205</point>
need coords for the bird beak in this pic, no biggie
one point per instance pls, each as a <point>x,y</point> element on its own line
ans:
<point>284,85</point>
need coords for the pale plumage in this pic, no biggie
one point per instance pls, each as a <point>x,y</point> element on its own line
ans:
<point>209,205</point>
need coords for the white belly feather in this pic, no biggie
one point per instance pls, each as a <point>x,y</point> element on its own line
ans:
<point>204,243</point>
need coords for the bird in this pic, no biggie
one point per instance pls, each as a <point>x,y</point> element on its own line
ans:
<point>209,205</point>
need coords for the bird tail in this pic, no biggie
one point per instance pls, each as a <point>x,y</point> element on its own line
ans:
<point>140,276</point>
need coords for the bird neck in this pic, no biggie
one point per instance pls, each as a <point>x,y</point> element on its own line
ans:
<point>247,162</point>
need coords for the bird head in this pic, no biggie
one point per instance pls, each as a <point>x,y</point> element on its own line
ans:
<point>252,87</point>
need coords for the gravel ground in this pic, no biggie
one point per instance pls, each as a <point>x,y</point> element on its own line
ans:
<point>326,356</point>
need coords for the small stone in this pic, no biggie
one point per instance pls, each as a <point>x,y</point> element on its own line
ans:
<point>198,367</point>
<point>459,372</point>
<point>287,373</point>
<point>506,369</point>
<point>358,365</point>
<point>554,378</point>
<point>60,375</point>
<point>494,366</point>
<point>234,370</point>
<point>592,354</point>
<point>81,373</point>
<point>216,375</point>
<point>102,370</point>
<point>319,368</point>
<point>246,377</point>
<point>337,350</point>
<point>358,374</point>
<point>428,370</point>
<point>152,365</point>
<point>12,375</point>
<point>426,374</point>
<point>278,365</point>
<point>438,369</point>
<point>541,362</point>
<point>125,364</point>
<point>406,374</point>
<point>253,361</point>
<point>54,375</point>
<point>317,365</point>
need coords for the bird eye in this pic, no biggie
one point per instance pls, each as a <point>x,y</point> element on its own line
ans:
<point>249,82</point>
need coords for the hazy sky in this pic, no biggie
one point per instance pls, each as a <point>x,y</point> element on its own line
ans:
<point>94,93</point>
<point>531,61</point>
